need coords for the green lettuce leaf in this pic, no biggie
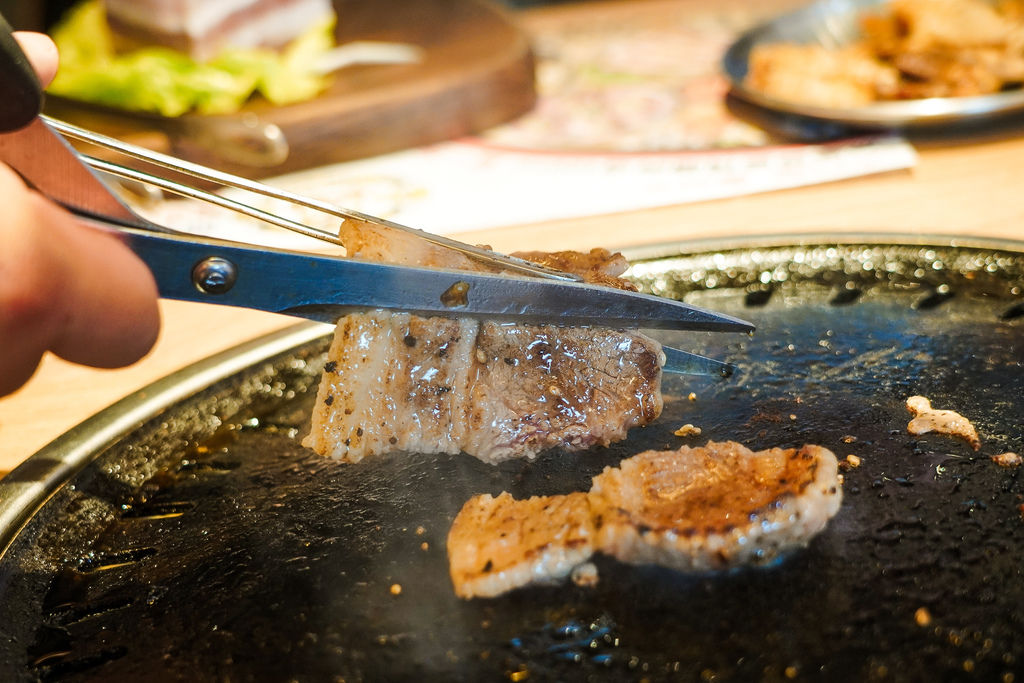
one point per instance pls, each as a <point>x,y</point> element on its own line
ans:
<point>167,82</point>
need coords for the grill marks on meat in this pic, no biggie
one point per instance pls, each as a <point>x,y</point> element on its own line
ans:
<point>694,509</point>
<point>399,382</point>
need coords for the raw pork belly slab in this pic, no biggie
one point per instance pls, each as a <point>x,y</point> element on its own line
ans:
<point>202,28</point>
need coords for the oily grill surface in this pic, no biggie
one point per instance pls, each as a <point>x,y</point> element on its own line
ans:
<point>209,545</point>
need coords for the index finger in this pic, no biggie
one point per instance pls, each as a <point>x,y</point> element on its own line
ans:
<point>41,52</point>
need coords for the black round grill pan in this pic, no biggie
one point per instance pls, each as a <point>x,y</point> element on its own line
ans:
<point>200,541</point>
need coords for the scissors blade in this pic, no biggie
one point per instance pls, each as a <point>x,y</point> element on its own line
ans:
<point>686,363</point>
<point>324,288</point>
<point>48,163</point>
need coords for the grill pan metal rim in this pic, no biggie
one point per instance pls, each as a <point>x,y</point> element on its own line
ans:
<point>820,239</point>
<point>28,487</point>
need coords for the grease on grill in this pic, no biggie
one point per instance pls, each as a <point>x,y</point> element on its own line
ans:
<point>104,561</point>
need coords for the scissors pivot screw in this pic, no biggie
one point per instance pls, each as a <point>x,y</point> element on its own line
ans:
<point>214,275</point>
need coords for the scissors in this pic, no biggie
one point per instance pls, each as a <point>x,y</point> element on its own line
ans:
<point>314,286</point>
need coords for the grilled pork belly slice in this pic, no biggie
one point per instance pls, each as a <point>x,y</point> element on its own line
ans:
<point>694,509</point>
<point>598,266</point>
<point>399,382</point>
<point>371,242</point>
<point>714,507</point>
<point>497,544</point>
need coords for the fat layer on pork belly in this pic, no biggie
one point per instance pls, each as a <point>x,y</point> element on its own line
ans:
<point>693,509</point>
<point>400,382</point>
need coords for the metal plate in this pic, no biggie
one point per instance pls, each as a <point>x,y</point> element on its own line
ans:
<point>186,535</point>
<point>833,23</point>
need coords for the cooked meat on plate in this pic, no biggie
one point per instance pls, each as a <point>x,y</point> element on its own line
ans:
<point>909,49</point>
<point>693,509</point>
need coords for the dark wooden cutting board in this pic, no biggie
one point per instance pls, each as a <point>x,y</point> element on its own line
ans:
<point>476,72</point>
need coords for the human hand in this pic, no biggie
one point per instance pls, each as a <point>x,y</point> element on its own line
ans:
<point>66,288</point>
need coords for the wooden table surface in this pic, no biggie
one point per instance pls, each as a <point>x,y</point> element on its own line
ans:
<point>966,186</point>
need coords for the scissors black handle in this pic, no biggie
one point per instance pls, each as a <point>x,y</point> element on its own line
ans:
<point>21,95</point>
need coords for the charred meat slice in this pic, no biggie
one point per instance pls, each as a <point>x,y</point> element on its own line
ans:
<point>694,509</point>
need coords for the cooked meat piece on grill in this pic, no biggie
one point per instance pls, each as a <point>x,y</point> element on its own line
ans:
<point>497,544</point>
<point>928,419</point>
<point>693,509</point>
<point>378,243</point>
<point>714,507</point>
<point>400,382</point>
<point>1007,459</point>
<point>598,266</point>
<point>371,242</point>
<point>534,387</point>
